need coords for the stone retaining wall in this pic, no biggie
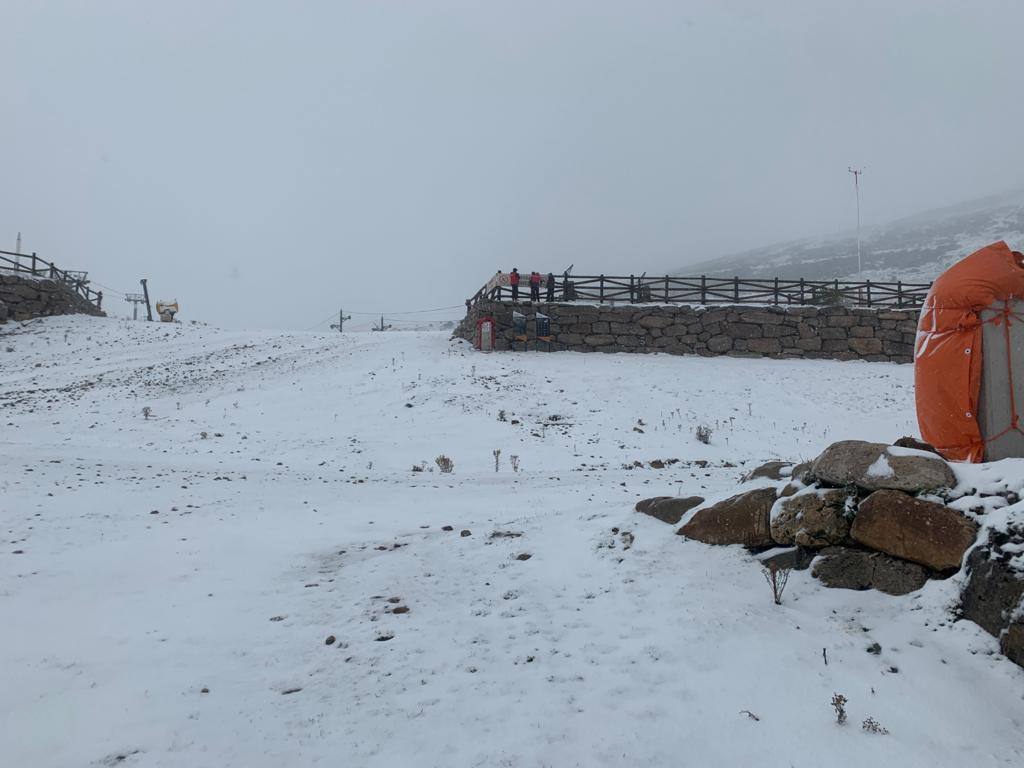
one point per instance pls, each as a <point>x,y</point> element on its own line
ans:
<point>23,297</point>
<point>834,333</point>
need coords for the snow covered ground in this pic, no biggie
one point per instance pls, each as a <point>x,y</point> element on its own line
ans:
<point>169,584</point>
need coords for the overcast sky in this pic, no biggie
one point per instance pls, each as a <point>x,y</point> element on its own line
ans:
<point>266,162</point>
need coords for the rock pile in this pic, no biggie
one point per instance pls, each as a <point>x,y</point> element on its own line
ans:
<point>875,516</point>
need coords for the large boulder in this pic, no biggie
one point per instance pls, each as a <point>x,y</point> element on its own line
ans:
<point>742,519</point>
<point>920,531</point>
<point>1012,642</point>
<point>876,466</point>
<point>770,470</point>
<point>845,568</point>
<point>668,509</point>
<point>917,445</point>
<point>802,473</point>
<point>811,519</point>
<point>994,592</point>
<point>788,559</point>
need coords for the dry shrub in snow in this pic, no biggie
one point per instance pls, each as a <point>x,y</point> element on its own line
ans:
<point>703,434</point>
<point>777,578</point>
<point>839,705</point>
<point>873,726</point>
<point>445,464</point>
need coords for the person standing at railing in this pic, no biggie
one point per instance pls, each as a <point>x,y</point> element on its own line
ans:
<point>535,286</point>
<point>551,287</point>
<point>513,280</point>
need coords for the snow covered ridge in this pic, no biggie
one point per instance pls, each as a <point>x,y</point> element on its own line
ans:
<point>890,517</point>
<point>914,249</point>
<point>170,584</point>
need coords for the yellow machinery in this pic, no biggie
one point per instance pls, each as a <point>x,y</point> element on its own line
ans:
<point>167,310</point>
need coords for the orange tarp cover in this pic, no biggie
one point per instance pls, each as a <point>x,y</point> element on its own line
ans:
<point>948,353</point>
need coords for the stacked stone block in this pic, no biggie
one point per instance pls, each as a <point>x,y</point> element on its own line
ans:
<point>23,297</point>
<point>835,333</point>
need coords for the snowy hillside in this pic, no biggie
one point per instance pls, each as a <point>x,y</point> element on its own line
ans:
<point>255,575</point>
<point>914,249</point>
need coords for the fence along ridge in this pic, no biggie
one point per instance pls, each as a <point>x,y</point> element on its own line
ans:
<point>668,289</point>
<point>76,281</point>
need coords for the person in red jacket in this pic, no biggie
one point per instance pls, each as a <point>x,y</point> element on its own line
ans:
<point>535,286</point>
<point>513,280</point>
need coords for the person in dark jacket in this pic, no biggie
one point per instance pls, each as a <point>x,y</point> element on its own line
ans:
<point>535,286</point>
<point>551,287</point>
<point>513,280</point>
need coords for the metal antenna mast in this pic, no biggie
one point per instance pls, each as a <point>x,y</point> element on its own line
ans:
<point>856,186</point>
<point>342,317</point>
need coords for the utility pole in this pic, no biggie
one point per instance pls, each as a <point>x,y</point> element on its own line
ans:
<point>135,299</point>
<point>342,317</point>
<point>856,186</point>
<point>145,295</point>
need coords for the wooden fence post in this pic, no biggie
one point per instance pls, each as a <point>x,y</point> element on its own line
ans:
<point>703,289</point>
<point>632,290</point>
<point>899,293</point>
<point>802,299</point>
<point>776,291</point>
<point>868,290</point>
<point>600,290</point>
<point>736,288</point>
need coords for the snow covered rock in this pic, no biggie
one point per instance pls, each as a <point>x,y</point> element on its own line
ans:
<point>668,509</point>
<point>920,531</point>
<point>644,505</point>
<point>846,568</point>
<point>815,519</point>
<point>802,473</point>
<point>993,597</point>
<point>788,558</point>
<point>918,445</point>
<point>771,470</point>
<point>741,519</point>
<point>874,466</point>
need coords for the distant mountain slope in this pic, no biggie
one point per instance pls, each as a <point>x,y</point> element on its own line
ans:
<point>913,249</point>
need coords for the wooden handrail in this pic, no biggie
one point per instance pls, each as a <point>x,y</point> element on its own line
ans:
<point>37,267</point>
<point>630,289</point>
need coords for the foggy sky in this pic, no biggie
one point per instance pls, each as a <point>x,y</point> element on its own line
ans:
<point>267,162</point>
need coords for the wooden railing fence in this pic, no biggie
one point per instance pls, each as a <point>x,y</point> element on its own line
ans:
<point>642,289</point>
<point>31,264</point>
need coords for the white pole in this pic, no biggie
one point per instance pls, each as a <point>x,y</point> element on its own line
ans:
<point>856,187</point>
